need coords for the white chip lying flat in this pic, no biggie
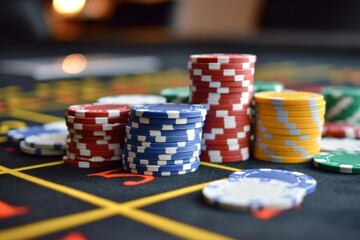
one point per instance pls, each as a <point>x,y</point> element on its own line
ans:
<point>253,194</point>
<point>55,141</point>
<point>340,144</point>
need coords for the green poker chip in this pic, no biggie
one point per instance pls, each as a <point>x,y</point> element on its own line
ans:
<point>262,86</point>
<point>341,162</point>
<point>176,95</point>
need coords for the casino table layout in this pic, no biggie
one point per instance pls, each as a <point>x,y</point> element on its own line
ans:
<point>41,198</point>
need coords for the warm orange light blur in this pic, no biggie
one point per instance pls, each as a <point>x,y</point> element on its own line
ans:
<point>98,9</point>
<point>68,7</point>
<point>74,63</point>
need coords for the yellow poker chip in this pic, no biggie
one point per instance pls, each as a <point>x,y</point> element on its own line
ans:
<point>319,107</point>
<point>288,132</point>
<point>286,119</point>
<point>291,114</point>
<point>284,142</point>
<point>289,98</point>
<point>287,137</point>
<point>281,159</point>
<point>284,148</point>
<point>290,125</point>
<point>272,152</point>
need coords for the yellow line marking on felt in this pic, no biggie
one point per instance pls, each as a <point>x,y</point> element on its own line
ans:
<point>214,165</point>
<point>33,116</point>
<point>41,228</point>
<point>158,222</point>
<point>50,164</point>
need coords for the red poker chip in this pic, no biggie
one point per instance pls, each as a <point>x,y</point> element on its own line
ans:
<point>341,130</point>
<point>215,96</point>
<point>225,142</point>
<point>195,99</point>
<point>222,58</point>
<point>225,148</point>
<point>220,66</point>
<point>95,120</point>
<point>226,136</point>
<point>238,119</point>
<point>221,90</point>
<point>85,164</point>
<point>78,137</point>
<point>224,153</point>
<point>95,146</point>
<point>225,72</point>
<point>229,107</point>
<point>227,125</point>
<point>221,113</point>
<point>209,78</point>
<point>94,141</point>
<point>95,133</point>
<point>96,127</point>
<point>98,110</point>
<point>217,84</point>
<point>225,159</point>
<point>106,153</point>
<point>73,156</point>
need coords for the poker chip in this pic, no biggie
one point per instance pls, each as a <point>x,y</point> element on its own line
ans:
<point>176,95</point>
<point>158,149</point>
<point>341,130</point>
<point>265,86</point>
<point>132,99</point>
<point>56,125</point>
<point>224,84</point>
<point>336,144</point>
<point>342,104</point>
<point>15,136</point>
<point>288,126</point>
<point>249,194</point>
<point>98,110</point>
<point>96,134</point>
<point>55,141</point>
<point>297,179</point>
<point>341,162</point>
<point>40,151</point>
<point>169,111</point>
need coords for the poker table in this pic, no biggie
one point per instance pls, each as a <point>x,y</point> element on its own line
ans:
<point>41,198</point>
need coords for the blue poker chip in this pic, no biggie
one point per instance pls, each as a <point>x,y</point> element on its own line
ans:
<point>163,150</point>
<point>169,111</point>
<point>145,132</point>
<point>160,162</point>
<point>165,127</point>
<point>297,179</point>
<point>162,145</point>
<point>164,139</point>
<point>163,173</point>
<point>17,135</point>
<point>176,121</point>
<point>161,168</point>
<point>152,156</point>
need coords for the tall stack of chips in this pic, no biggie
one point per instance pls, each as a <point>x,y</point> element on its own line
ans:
<point>224,83</point>
<point>288,126</point>
<point>96,134</point>
<point>164,139</point>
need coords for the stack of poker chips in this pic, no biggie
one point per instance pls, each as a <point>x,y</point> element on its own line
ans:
<point>96,134</point>
<point>288,126</point>
<point>342,104</point>
<point>164,139</point>
<point>224,83</point>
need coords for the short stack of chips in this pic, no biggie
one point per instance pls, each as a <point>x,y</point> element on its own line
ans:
<point>164,139</point>
<point>288,126</point>
<point>342,104</point>
<point>224,83</point>
<point>96,134</point>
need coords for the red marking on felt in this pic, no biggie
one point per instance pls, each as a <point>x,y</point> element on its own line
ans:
<point>10,149</point>
<point>268,214</point>
<point>74,236</point>
<point>7,211</point>
<point>112,174</point>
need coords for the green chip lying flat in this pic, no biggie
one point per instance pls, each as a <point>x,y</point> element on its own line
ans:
<point>342,162</point>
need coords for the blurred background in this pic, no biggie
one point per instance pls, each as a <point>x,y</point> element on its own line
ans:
<point>276,22</point>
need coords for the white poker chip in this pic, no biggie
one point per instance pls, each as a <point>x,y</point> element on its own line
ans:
<point>39,151</point>
<point>56,125</point>
<point>340,144</point>
<point>55,141</point>
<point>253,194</point>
